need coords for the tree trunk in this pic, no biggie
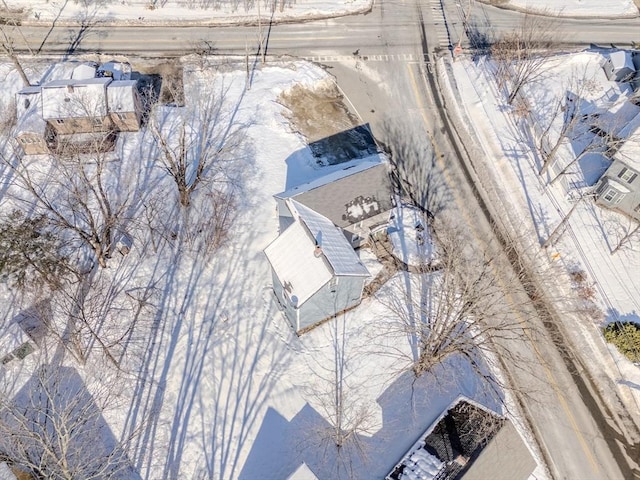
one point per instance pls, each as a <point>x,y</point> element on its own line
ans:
<point>185,196</point>
<point>18,66</point>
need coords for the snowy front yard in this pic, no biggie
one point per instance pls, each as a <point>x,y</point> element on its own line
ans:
<point>206,378</point>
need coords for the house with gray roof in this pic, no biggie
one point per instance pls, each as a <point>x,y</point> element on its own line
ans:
<point>357,198</point>
<point>316,273</point>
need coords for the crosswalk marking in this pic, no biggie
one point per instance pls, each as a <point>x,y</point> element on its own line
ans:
<point>440,23</point>
<point>399,57</point>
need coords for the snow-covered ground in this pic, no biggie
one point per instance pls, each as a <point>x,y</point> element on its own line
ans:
<point>612,281</point>
<point>215,384</point>
<point>409,234</point>
<point>203,12</point>
<point>575,8</point>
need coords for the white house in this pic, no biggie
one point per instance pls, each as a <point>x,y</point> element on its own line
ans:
<point>316,272</point>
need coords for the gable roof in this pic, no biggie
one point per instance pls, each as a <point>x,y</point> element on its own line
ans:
<point>358,191</point>
<point>292,254</point>
<point>292,259</point>
<point>621,59</point>
<point>70,98</point>
<point>335,247</point>
<point>629,151</point>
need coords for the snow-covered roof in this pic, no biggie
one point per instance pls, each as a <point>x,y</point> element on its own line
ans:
<point>303,472</point>
<point>121,95</point>
<point>28,111</point>
<point>116,70</point>
<point>292,258</point>
<point>621,59</point>
<point>350,169</point>
<point>84,71</point>
<point>69,98</point>
<point>629,151</point>
<point>293,254</point>
<point>335,247</point>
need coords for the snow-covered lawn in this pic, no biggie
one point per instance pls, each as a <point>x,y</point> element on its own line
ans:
<point>201,12</point>
<point>575,8</point>
<point>213,382</point>
<point>611,281</point>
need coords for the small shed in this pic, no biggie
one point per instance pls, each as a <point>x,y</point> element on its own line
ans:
<point>618,66</point>
<point>316,273</point>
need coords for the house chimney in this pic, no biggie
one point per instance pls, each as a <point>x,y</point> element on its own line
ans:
<point>318,251</point>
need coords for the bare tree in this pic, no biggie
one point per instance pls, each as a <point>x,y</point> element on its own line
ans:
<point>558,124</point>
<point>7,31</point>
<point>627,233</point>
<point>460,309</point>
<point>198,143</point>
<point>84,194</point>
<point>521,55</point>
<point>336,391</point>
<point>54,428</point>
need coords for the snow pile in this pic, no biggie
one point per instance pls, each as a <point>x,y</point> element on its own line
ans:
<point>409,234</point>
<point>577,8</point>
<point>421,465</point>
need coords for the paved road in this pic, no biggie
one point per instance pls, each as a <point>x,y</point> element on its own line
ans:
<point>335,37</point>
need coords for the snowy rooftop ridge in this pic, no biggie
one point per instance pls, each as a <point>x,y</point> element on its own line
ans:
<point>335,247</point>
<point>351,168</point>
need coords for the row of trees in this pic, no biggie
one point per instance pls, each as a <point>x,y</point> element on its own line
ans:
<point>72,212</point>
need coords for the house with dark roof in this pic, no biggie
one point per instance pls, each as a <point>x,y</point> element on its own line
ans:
<point>316,273</point>
<point>467,442</point>
<point>357,198</point>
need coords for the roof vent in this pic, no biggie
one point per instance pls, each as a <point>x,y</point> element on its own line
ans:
<point>318,251</point>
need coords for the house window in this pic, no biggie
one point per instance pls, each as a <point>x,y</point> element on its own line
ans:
<point>333,284</point>
<point>97,122</point>
<point>59,121</point>
<point>637,209</point>
<point>611,195</point>
<point>122,116</point>
<point>627,175</point>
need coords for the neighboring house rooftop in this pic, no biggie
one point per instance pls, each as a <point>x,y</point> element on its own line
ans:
<point>621,59</point>
<point>297,263</point>
<point>70,98</point>
<point>467,442</point>
<point>28,111</point>
<point>121,95</point>
<point>629,151</point>
<point>84,71</point>
<point>358,191</point>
